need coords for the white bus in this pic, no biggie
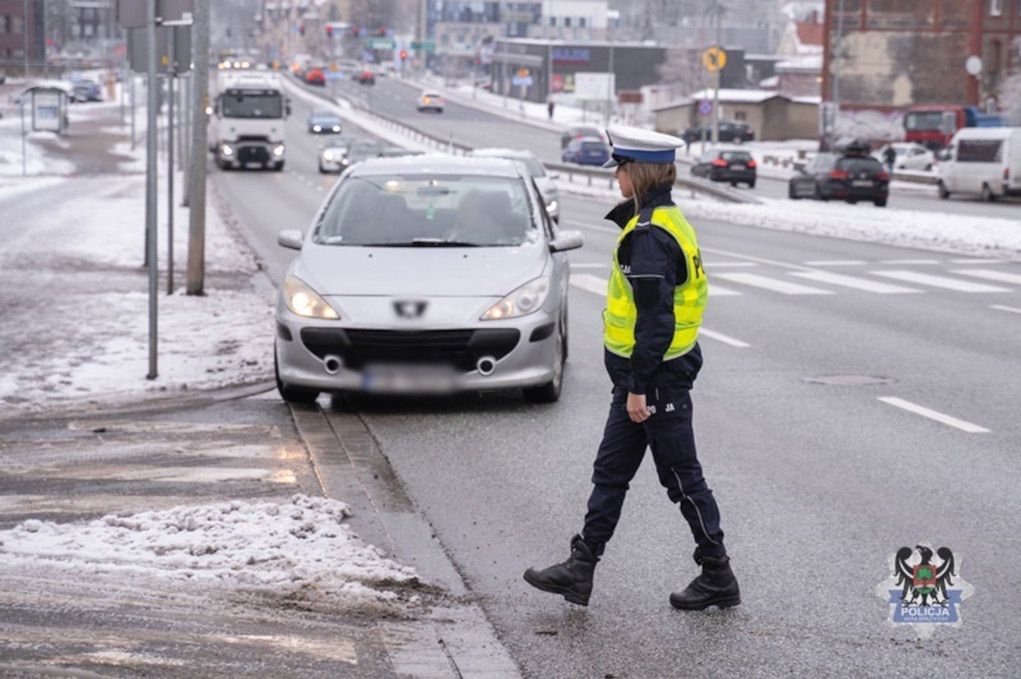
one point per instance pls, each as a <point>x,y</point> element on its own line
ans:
<point>984,161</point>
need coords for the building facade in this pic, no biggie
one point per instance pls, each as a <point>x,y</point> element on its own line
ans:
<point>18,31</point>
<point>890,54</point>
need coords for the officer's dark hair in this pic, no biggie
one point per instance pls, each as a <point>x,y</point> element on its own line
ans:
<point>647,177</point>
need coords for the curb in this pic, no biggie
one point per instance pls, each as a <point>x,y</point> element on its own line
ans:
<point>456,640</point>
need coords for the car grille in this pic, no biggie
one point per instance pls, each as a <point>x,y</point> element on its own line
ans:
<point>458,348</point>
<point>253,154</point>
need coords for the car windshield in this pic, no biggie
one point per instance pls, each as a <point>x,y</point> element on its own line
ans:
<point>240,105</point>
<point>823,161</point>
<point>427,211</point>
<point>592,146</point>
<point>739,156</point>
<point>923,120</point>
<point>855,164</point>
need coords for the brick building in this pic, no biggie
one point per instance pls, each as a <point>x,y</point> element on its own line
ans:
<point>14,28</point>
<point>889,54</point>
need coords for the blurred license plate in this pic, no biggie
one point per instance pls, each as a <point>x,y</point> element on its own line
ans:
<point>254,166</point>
<point>407,379</point>
<point>738,167</point>
<point>862,182</point>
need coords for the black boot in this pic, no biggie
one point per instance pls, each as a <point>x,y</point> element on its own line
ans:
<point>716,586</point>
<point>573,578</point>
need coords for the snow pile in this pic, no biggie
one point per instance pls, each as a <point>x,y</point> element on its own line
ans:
<point>299,549</point>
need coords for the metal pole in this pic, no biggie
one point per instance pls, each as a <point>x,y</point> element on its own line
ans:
<point>131,78</point>
<point>24,159</point>
<point>170,159</point>
<point>197,189</point>
<point>122,99</point>
<point>832,132</point>
<point>610,85</point>
<point>24,35</point>
<point>151,216</point>
<point>716,93</point>
<point>46,67</point>
<point>186,157</point>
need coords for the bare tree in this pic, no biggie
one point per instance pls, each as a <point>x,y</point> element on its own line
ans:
<point>682,70</point>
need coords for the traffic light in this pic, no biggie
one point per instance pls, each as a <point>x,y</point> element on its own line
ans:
<point>301,29</point>
<point>404,55</point>
<point>329,31</point>
<point>354,31</point>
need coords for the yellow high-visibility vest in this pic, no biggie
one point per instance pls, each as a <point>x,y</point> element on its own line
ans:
<point>621,314</point>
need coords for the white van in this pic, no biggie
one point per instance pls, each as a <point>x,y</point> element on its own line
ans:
<point>982,160</point>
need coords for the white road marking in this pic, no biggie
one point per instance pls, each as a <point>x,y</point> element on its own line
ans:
<point>589,283</point>
<point>910,261</point>
<point>720,337</point>
<point>721,291</point>
<point>991,275</point>
<point>939,281</point>
<point>1000,307</point>
<point>835,262</point>
<point>978,260</point>
<point>783,287</point>
<point>854,282</point>
<point>594,227</point>
<point>589,265</point>
<point>712,265</point>
<point>933,415</point>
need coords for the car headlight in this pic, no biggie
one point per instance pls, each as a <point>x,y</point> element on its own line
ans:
<point>278,150</point>
<point>226,150</point>
<point>552,207</point>
<point>525,300</point>
<point>328,155</point>
<point>336,128</point>
<point>317,128</point>
<point>304,301</point>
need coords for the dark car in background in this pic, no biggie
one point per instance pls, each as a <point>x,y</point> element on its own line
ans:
<point>850,176</point>
<point>726,165</point>
<point>324,122</point>
<point>580,132</point>
<point>730,132</point>
<point>365,77</point>
<point>85,91</point>
<point>586,151</point>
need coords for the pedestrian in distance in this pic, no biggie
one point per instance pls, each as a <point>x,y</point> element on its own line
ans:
<point>655,299</point>
<point>889,158</point>
<point>549,107</point>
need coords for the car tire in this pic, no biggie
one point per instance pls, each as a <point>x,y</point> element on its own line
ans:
<point>751,185</point>
<point>987,194</point>
<point>942,190</point>
<point>550,392</point>
<point>223,165</point>
<point>792,193</point>
<point>291,393</point>
<point>733,185</point>
<point>279,167</point>
<point>880,202</point>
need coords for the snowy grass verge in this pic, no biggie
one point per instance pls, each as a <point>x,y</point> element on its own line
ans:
<point>298,552</point>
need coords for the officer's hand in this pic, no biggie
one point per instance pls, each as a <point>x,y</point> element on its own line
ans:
<point>636,408</point>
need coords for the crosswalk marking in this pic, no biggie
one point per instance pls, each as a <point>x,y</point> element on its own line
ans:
<point>720,337</point>
<point>588,265</point>
<point>933,415</point>
<point>783,287</point>
<point>854,282</point>
<point>710,265</point>
<point>910,261</point>
<point>589,283</point>
<point>1000,307</point>
<point>940,281</point>
<point>716,290</point>
<point>836,262</point>
<point>978,260</point>
<point>991,275</point>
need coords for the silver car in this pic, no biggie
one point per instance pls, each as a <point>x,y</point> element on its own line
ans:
<point>426,274</point>
<point>542,178</point>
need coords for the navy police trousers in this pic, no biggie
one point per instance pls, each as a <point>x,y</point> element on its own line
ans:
<point>669,434</point>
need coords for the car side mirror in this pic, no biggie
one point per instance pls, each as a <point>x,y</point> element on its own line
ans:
<point>566,240</point>
<point>287,107</point>
<point>290,239</point>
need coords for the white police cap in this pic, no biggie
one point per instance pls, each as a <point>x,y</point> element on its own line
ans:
<point>640,145</point>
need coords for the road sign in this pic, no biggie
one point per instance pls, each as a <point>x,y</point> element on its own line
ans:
<point>973,65</point>
<point>381,44</point>
<point>427,45</point>
<point>519,81</point>
<point>705,107</point>
<point>138,51</point>
<point>714,59</point>
<point>133,13</point>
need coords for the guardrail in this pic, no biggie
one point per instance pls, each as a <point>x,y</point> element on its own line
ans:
<point>588,174</point>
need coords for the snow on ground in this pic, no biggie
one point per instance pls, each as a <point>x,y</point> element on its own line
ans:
<point>960,234</point>
<point>74,302</point>
<point>38,158</point>
<point>296,550</point>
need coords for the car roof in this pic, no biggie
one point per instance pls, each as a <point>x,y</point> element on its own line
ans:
<point>494,152</point>
<point>439,163</point>
<point>591,139</point>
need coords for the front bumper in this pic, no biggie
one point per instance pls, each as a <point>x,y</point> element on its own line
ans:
<point>302,345</point>
<point>332,165</point>
<point>252,154</point>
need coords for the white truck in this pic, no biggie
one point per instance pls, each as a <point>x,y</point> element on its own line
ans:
<point>246,128</point>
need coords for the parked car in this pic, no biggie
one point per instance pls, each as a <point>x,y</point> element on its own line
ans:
<point>909,156</point>
<point>730,132</point>
<point>324,122</point>
<point>580,132</point>
<point>85,91</point>
<point>315,76</point>
<point>543,179</point>
<point>430,101</point>
<point>424,275</point>
<point>365,77</point>
<point>851,176</point>
<point>726,165</point>
<point>982,161</point>
<point>586,151</point>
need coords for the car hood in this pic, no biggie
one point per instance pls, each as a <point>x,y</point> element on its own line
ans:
<point>424,271</point>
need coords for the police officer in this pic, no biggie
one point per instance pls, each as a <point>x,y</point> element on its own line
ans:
<point>655,298</point>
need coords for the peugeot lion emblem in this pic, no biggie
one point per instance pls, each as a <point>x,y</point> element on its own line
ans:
<point>409,309</point>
